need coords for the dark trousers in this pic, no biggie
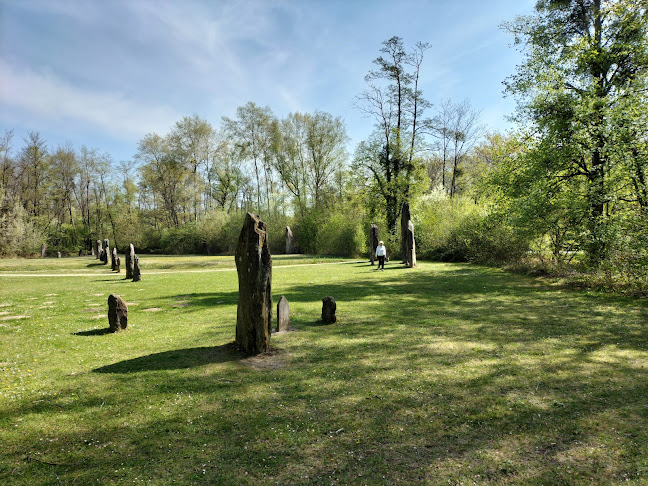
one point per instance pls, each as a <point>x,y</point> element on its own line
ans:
<point>381,261</point>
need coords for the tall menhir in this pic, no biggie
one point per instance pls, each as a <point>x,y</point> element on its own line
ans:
<point>254,267</point>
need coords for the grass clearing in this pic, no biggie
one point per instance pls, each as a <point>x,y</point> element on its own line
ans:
<point>443,374</point>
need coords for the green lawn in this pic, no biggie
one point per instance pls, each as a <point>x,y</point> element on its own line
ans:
<point>442,374</point>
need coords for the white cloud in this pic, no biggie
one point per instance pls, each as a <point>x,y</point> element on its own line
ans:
<point>46,96</point>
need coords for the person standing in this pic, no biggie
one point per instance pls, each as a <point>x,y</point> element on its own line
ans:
<point>381,253</point>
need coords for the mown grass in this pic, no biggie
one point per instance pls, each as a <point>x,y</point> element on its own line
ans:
<point>442,374</point>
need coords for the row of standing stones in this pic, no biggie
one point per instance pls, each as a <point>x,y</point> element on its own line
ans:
<point>132,260</point>
<point>254,268</point>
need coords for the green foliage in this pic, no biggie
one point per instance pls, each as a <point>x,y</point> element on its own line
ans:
<point>18,235</point>
<point>457,229</point>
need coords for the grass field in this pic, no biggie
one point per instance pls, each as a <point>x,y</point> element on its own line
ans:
<point>442,374</point>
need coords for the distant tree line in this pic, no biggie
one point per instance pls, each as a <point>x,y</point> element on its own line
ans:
<point>567,186</point>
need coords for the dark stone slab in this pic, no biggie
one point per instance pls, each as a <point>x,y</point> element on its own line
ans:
<point>113,259</point>
<point>137,275</point>
<point>106,251</point>
<point>405,217</point>
<point>254,267</point>
<point>130,260</point>
<point>328,310</point>
<point>373,241</point>
<point>117,265</point>
<point>117,313</point>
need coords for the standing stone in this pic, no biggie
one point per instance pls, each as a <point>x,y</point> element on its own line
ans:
<point>373,241</point>
<point>43,250</point>
<point>99,249</point>
<point>405,217</point>
<point>58,254</point>
<point>130,260</point>
<point>411,245</point>
<point>118,265</point>
<point>283,315</point>
<point>137,276</point>
<point>117,313</point>
<point>328,310</point>
<point>106,251</point>
<point>254,268</point>
<point>113,259</point>
<point>289,241</point>
<point>93,250</point>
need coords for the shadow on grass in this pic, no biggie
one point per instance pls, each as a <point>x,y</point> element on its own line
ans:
<point>175,360</point>
<point>93,332</point>
<point>96,264</point>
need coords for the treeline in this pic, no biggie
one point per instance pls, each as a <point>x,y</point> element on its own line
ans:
<point>188,190</point>
<point>564,193</point>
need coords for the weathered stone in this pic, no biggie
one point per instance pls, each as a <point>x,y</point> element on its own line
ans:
<point>254,267</point>
<point>411,245</point>
<point>130,260</point>
<point>43,250</point>
<point>118,265</point>
<point>289,240</point>
<point>117,313</point>
<point>405,217</point>
<point>373,241</point>
<point>283,314</point>
<point>137,276</point>
<point>58,254</point>
<point>93,250</point>
<point>328,309</point>
<point>106,251</point>
<point>113,259</point>
<point>99,249</point>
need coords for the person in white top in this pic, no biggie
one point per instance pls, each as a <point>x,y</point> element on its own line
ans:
<point>381,253</point>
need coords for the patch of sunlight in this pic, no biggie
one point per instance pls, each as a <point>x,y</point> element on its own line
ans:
<point>611,354</point>
<point>455,347</point>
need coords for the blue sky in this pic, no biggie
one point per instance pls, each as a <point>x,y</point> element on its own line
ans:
<point>105,73</point>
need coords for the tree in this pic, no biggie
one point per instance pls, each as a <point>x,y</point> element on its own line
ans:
<point>456,128</point>
<point>396,104</point>
<point>191,140</point>
<point>251,130</point>
<point>63,170</point>
<point>163,174</point>
<point>583,59</point>
<point>33,170</point>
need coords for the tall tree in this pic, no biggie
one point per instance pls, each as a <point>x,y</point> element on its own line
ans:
<point>456,128</point>
<point>252,132</point>
<point>583,58</point>
<point>63,171</point>
<point>396,104</point>
<point>33,171</point>
<point>191,140</point>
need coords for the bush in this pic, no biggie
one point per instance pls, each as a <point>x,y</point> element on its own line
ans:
<point>18,236</point>
<point>459,230</point>
<point>342,235</point>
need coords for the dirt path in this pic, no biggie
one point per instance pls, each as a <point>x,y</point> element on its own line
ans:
<point>162,272</point>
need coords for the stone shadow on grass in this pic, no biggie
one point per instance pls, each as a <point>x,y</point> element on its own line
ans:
<point>94,332</point>
<point>175,359</point>
<point>98,263</point>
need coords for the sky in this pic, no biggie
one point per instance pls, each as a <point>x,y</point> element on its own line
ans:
<point>104,73</point>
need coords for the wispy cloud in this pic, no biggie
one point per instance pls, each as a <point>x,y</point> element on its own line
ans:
<point>47,97</point>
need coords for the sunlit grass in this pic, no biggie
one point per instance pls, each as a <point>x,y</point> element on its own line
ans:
<point>443,374</point>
